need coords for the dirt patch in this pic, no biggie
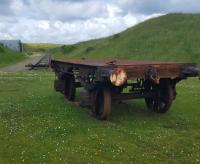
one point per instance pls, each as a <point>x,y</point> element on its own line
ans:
<point>21,65</point>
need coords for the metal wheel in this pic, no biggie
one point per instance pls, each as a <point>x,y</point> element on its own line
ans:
<point>164,96</point>
<point>102,104</point>
<point>70,88</point>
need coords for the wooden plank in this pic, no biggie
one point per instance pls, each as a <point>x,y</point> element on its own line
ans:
<point>134,69</point>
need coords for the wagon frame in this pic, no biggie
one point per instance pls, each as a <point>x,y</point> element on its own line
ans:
<point>153,81</point>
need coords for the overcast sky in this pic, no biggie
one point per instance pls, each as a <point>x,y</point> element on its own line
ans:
<point>70,21</point>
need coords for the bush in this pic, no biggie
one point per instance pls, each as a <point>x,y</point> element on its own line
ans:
<point>1,48</point>
<point>116,36</point>
<point>67,49</point>
<point>89,49</point>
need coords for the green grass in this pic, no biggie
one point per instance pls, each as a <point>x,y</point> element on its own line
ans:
<point>8,57</point>
<point>170,37</point>
<point>32,48</point>
<point>37,125</point>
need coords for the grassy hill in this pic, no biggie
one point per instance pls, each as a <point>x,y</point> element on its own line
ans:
<point>31,48</point>
<point>8,57</point>
<point>169,37</point>
<point>37,125</point>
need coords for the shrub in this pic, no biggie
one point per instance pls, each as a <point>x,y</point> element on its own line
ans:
<point>116,36</point>
<point>1,48</point>
<point>67,49</point>
<point>89,49</point>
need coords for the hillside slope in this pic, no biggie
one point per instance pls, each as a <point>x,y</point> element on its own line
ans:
<point>169,37</point>
<point>32,48</point>
<point>8,57</point>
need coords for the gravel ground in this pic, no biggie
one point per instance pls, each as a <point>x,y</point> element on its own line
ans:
<point>21,65</point>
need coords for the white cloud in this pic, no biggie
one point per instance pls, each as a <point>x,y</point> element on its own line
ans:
<point>158,6</point>
<point>70,21</point>
<point>44,25</point>
<point>59,10</point>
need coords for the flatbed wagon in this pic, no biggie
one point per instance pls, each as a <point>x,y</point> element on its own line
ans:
<point>108,81</point>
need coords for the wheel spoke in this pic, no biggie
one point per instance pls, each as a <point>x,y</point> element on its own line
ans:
<point>164,96</point>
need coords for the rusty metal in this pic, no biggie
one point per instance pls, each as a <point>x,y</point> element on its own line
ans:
<point>44,62</point>
<point>152,74</point>
<point>102,104</point>
<point>163,96</point>
<point>129,96</point>
<point>189,71</point>
<point>105,80</point>
<point>134,69</point>
<point>69,88</point>
<point>113,62</point>
<point>122,62</point>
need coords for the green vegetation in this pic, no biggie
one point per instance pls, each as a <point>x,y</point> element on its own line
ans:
<point>169,37</point>
<point>8,57</point>
<point>37,125</point>
<point>31,48</point>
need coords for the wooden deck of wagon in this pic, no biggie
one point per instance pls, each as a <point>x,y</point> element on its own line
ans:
<point>134,70</point>
<point>153,81</point>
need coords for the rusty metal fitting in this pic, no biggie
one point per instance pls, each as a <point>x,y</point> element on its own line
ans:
<point>112,62</point>
<point>118,77</point>
<point>152,75</point>
<point>155,79</point>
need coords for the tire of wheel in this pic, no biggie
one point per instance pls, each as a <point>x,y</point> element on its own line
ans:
<point>102,104</point>
<point>70,88</point>
<point>164,92</point>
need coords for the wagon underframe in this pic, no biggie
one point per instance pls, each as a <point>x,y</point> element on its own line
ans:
<point>105,82</point>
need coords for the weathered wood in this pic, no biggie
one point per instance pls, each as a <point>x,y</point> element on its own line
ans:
<point>134,69</point>
<point>105,80</point>
<point>44,62</point>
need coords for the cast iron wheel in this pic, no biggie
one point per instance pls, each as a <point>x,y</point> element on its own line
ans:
<point>102,104</point>
<point>70,88</point>
<point>164,96</point>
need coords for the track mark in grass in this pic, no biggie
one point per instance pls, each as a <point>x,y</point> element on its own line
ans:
<point>177,123</point>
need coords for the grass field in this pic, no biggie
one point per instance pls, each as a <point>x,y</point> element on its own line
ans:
<point>37,125</point>
<point>8,57</point>
<point>170,37</point>
<point>31,48</point>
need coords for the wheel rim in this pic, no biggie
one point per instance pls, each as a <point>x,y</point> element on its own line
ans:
<point>102,104</point>
<point>163,99</point>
